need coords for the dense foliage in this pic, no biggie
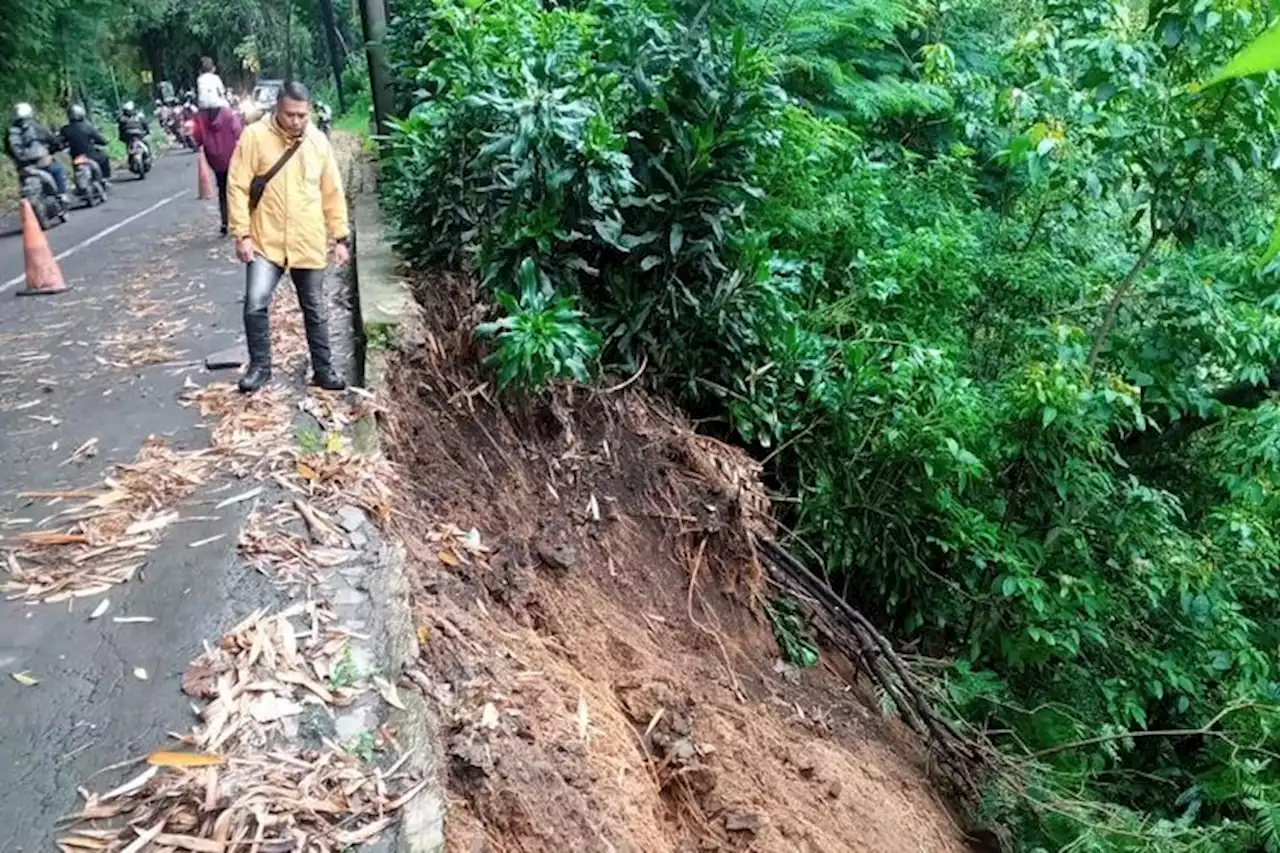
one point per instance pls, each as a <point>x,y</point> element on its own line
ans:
<point>980,280</point>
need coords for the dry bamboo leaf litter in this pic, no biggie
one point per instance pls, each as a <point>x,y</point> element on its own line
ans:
<point>101,537</point>
<point>240,785</point>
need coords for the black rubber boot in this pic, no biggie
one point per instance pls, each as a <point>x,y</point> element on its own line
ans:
<point>254,378</point>
<point>328,379</point>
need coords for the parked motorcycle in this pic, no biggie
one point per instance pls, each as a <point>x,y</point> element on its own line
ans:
<point>139,158</point>
<point>39,188</point>
<point>188,135</point>
<point>324,119</point>
<point>91,187</point>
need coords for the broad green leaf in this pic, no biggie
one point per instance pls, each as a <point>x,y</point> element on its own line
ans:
<point>1258,57</point>
<point>1273,249</point>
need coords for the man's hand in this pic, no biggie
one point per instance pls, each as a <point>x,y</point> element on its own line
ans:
<point>341,254</point>
<point>245,249</point>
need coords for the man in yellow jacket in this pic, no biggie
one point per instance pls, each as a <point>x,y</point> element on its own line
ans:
<point>285,203</point>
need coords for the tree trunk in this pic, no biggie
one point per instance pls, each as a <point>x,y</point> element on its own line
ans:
<point>335,52</point>
<point>373,17</point>
<point>288,41</point>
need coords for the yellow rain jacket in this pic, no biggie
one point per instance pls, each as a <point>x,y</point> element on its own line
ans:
<point>302,206</point>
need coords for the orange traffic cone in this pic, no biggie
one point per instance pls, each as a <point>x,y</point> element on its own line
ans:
<point>205,190</point>
<point>43,275</point>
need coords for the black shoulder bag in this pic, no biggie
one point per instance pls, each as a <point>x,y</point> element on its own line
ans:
<point>259,184</point>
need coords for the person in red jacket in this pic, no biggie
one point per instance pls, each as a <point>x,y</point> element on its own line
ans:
<point>217,131</point>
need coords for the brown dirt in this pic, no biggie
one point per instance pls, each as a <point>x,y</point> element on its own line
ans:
<point>608,685</point>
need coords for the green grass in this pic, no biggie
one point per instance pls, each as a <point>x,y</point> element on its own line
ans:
<point>355,121</point>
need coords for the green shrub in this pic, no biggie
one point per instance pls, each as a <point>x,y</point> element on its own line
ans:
<point>542,337</point>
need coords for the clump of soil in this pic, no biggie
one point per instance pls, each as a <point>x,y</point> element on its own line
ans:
<point>603,675</point>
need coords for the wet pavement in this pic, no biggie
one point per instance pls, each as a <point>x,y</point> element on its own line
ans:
<point>161,283</point>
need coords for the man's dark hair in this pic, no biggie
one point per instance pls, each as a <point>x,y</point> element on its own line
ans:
<point>292,90</point>
<point>206,64</point>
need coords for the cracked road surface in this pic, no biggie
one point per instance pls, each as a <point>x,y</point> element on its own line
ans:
<point>61,386</point>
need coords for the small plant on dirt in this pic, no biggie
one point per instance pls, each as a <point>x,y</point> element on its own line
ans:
<point>792,632</point>
<point>379,336</point>
<point>542,338</point>
<point>362,746</point>
<point>315,725</point>
<point>345,673</point>
<point>310,441</point>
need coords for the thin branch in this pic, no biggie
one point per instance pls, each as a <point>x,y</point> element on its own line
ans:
<point>1113,307</point>
<point>1204,731</point>
<point>644,362</point>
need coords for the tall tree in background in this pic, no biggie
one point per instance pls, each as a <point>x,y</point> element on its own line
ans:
<point>336,59</point>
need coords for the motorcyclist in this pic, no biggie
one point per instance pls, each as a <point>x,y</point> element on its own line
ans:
<point>83,140</point>
<point>30,143</point>
<point>133,125</point>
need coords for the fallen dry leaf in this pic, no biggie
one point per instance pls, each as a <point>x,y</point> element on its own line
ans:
<point>199,682</point>
<point>160,758</point>
<point>151,525</point>
<point>271,707</point>
<point>190,842</point>
<point>240,498</point>
<point>144,839</point>
<point>137,783</point>
<point>388,692</point>
<point>83,452</point>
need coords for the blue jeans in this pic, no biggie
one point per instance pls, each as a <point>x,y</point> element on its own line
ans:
<point>260,286</point>
<point>59,176</point>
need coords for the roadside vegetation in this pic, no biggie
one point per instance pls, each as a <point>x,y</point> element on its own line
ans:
<point>987,287</point>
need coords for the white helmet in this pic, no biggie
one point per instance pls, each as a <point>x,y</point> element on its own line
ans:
<point>23,110</point>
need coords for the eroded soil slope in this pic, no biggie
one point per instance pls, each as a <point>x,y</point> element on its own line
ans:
<point>592,637</point>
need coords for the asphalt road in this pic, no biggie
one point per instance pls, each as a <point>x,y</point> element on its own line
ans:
<point>60,386</point>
